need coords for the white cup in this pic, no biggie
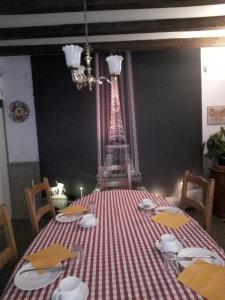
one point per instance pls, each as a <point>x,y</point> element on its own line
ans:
<point>68,288</point>
<point>168,243</point>
<point>88,220</point>
<point>147,202</point>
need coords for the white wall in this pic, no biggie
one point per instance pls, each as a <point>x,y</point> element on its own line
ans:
<point>213,85</point>
<point>16,83</point>
<point>4,180</point>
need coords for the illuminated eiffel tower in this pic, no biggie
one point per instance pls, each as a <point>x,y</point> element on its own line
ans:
<point>117,149</point>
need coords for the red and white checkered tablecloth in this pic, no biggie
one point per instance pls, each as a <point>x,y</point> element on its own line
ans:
<point>120,258</point>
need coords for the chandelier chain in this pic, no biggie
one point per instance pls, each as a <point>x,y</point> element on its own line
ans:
<point>87,46</point>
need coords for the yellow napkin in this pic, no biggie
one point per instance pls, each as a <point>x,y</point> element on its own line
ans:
<point>49,256</point>
<point>74,210</point>
<point>206,279</point>
<point>171,220</point>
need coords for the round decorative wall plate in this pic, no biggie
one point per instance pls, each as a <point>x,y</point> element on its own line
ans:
<point>19,111</point>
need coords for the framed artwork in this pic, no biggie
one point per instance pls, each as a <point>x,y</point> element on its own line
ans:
<point>215,115</point>
<point>19,111</point>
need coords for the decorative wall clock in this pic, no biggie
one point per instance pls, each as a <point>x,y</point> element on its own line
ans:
<point>19,111</point>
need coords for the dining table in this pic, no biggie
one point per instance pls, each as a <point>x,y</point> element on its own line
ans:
<point>120,258</point>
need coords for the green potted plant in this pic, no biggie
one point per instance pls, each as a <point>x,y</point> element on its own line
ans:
<point>216,147</point>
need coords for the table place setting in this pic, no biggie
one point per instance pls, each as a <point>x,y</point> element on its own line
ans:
<point>199,269</point>
<point>189,255</point>
<point>147,204</point>
<point>207,279</point>
<point>168,209</point>
<point>71,288</point>
<point>32,280</point>
<point>168,243</point>
<point>89,221</point>
<point>171,220</point>
<point>178,261</point>
<point>71,214</point>
<point>43,267</point>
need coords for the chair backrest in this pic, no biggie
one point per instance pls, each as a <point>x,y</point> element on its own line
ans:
<point>37,213</point>
<point>115,176</point>
<point>10,251</point>
<point>205,206</point>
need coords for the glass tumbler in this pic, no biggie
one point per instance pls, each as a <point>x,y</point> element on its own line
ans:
<point>91,206</point>
<point>170,263</point>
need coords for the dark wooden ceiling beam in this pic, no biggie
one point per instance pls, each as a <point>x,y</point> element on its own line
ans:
<point>52,6</point>
<point>169,25</point>
<point>116,47</point>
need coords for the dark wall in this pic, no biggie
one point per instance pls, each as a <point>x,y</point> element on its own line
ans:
<point>66,125</point>
<point>168,110</point>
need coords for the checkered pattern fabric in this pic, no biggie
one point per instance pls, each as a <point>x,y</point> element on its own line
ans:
<point>120,257</point>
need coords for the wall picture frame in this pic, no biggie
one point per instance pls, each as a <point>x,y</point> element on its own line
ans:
<point>19,111</point>
<point>216,115</point>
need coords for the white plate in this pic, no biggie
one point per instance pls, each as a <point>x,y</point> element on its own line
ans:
<point>32,280</point>
<point>83,293</point>
<point>67,218</point>
<point>169,209</point>
<point>147,207</point>
<point>179,247</point>
<point>192,251</point>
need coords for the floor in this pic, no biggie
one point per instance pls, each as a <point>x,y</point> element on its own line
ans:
<point>217,231</point>
<point>24,236</point>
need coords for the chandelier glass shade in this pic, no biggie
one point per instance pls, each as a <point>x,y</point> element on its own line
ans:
<point>82,74</point>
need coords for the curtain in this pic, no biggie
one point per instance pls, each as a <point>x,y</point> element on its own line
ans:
<point>127,103</point>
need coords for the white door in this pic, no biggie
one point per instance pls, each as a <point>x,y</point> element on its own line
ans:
<point>4,180</point>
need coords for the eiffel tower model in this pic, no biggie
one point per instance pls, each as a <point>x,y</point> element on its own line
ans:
<point>117,149</point>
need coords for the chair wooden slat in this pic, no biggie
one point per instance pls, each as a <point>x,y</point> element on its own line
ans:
<point>10,251</point>
<point>205,206</point>
<point>37,213</point>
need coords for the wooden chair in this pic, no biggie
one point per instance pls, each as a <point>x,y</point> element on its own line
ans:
<point>10,251</point>
<point>115,176</point>
<point>37,213</point>
<point>204,207</point>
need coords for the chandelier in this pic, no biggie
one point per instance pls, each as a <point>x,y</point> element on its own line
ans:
<point>82,75</point>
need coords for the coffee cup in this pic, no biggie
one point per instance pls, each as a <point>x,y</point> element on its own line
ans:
<point>88,220</point>
<point>68,289</point>
<point>168,243</point>
<point>147,202</point>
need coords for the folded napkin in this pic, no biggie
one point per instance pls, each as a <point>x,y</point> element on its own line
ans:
<point>171,220</point>
<point>74,210</point>
<point>206,279</point>
<point>49,256</point>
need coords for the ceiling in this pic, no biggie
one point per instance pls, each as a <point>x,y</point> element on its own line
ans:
<point>38,27</point>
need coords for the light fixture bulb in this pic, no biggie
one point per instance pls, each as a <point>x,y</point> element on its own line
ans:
<point>114,64</point>
<point>72,55</point>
